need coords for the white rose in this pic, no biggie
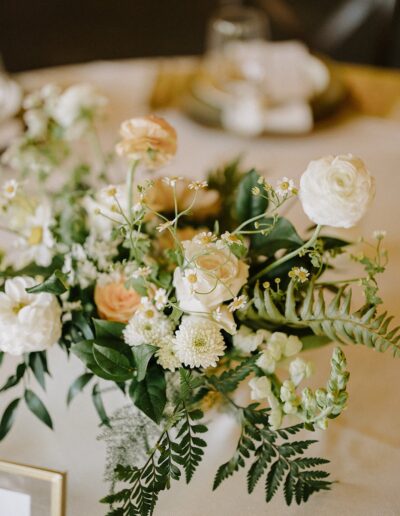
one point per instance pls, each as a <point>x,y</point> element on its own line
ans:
<point>215,276</point>
<point>10,98</point>
<point>28,322</point>
<point>260,388</point>
<point>336,191</point>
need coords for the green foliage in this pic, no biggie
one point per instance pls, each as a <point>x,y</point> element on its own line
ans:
<point>149,394</point>
<point>280,460</point>
<point>38,365</point>
<point>37,407</point>
<point>142,354</point>
<point>55,284</point>
<point>99,405</point>
<point>281,235</point>
<point>334,320</point>
<point>105,329</point>
<point>78,385</point>
<point>229,380</point>
<point>247,204</point>
<point>166,459</point>
<point>8,418</point>
<point>15,378</point>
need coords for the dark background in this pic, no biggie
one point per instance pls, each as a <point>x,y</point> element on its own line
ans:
<point>39,33</point>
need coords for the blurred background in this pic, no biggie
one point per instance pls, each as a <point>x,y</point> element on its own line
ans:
<point>42,33</point>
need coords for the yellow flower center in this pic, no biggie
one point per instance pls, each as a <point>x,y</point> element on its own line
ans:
<point>16,308</point>
<point>36,235</point>
<point>149,314</point>
<point>192,278</point>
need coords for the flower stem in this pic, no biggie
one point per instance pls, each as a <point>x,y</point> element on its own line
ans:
<point>129,186</point>
<point>289,256</point>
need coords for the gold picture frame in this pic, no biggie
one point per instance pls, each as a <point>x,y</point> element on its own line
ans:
<point>24,479</point>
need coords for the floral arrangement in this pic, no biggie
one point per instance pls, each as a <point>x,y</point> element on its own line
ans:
<point>179,294</point>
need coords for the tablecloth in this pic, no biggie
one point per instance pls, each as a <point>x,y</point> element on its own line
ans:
<point>363,444</point>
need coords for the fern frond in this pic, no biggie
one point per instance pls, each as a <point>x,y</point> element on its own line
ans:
<point>334,320</point>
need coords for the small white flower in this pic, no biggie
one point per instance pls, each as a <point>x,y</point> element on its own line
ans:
<point>260,388</point>
<point>231,238</point>
<point>247,341</point>
<point>197,185</point>
<point>379,234</point>
<point>285,187</point>
<point>162,227</point>
<point>110,191</point>
<point>204,238</point>
<point>238,303</point>
<point>10,188</point>
<point>36,121</point>
<point>160,298</point>
<point>292,346</point>
<point>191,278</point>
<point>199,342</point>
<point>141,272</point>
<point>255,191</point>
<point>288,392</point>
<point>28,322</point>
<point>299,274</point>
<point>171,181</point>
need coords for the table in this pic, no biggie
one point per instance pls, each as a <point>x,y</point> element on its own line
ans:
<point>363,444</point>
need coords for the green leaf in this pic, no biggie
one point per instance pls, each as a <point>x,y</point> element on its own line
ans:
<point>247,204</point>
<point>55,284</point>
<point>99,405</point>
<point>2,354</point>
<point>282,236</point>
<point>112,362</point>
<point>84,351</point>
<point>37,365</point>
<point>149,395</point>
<point>274,478</point>
<point>314,341</point>
<point>37,407</point>
<point>14,379</point>
<point>143,354</point>
<point>78,386</point>
<point>108,328</point>
<point>8,418</point>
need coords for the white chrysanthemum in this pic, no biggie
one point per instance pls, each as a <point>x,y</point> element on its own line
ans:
<point>166,355</point>
<point>148,328</point>
<point>28,322</point>
<point>199,342</point>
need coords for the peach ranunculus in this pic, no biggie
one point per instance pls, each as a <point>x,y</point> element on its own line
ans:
<point>160,198</point>
<point>150,139</point>
<point>115,302</point>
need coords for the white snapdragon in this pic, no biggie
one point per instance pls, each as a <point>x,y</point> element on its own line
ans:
<point>247,341</point>
<point>199,342</point>
<point>299,369</point>
<point>278,347</point>
<point>28,322</point>
<point>260,388</point>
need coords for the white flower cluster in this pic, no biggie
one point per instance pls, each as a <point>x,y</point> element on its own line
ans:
<point>28,322</point>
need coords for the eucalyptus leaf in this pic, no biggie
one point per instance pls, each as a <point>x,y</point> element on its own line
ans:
<point>55,284</point>
<point>14,379</point>
<point>37,366</point>
<point>99,405</point>
<point>78,385</point>
<point>8,418</point>
<point>247,204</point>
<point>36,406</point>
<point>149,395</point>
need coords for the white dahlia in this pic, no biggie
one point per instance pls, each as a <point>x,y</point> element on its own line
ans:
<point>148,327</point>
<point>199,342</point>
<point>166,355</point>
<point>28,322</point>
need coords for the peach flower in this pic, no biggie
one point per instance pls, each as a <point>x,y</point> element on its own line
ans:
<point>161,198</point>
<point>115,302</point>
<point>150,139</point>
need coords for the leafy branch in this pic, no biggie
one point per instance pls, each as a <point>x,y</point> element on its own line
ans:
<point>276,457</point>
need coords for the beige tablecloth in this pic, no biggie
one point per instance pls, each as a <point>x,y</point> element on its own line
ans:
<point>363,444</point>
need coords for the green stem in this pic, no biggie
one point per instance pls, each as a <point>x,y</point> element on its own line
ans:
<point>288,256</point>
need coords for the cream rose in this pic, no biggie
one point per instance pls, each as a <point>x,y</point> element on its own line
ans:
<point>336,190</point>
<point>115,302</point>
<point>28,322</point>
<point>211,275</point>
<point>150,139</point>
